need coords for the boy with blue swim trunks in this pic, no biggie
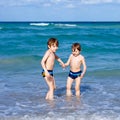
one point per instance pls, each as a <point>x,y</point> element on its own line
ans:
<point>76,60</point>
<point>47,63</point>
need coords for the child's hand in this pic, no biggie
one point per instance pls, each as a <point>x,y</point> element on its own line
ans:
<point>82,75</point>
<point>63,65</point>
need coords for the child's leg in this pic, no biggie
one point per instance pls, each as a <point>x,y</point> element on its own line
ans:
<point>77,86</point>
<point>68,86</point>
<point>54,84</point>
<point>47,96</point>
<point>50,93</point>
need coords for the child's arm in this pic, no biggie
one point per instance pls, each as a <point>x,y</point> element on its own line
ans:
<point>68,62</point>
<point>84,67</point>
<point>60,61</point>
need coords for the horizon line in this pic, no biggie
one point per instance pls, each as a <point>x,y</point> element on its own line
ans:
<point>58,21</point>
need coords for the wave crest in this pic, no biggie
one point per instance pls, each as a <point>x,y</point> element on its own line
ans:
<point>39,24</point>
<point>66,25</point>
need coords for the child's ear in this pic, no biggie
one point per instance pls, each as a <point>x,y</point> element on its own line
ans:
<point>48,46</point>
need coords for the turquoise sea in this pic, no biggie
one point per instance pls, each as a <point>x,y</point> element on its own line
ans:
<point>23,89</point>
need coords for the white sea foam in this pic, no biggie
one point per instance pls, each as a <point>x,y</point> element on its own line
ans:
<point>66,25</point>
<point>39,24</point>
<point>65,117</point>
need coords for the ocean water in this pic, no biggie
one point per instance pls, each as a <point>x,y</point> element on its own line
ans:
<point>23,89</point>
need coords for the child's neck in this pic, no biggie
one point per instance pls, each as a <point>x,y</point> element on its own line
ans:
<point>76,55</point>
<point>51,50</point>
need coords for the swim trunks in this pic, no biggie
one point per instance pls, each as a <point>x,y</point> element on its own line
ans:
<point>74,75</point>
<point>50,72</point>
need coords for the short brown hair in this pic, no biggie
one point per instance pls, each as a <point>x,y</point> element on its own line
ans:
<point>52,41</point>
<point>76,46</point>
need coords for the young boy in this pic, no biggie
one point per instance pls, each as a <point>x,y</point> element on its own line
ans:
<point>47,63</point>
<point>75,61</point>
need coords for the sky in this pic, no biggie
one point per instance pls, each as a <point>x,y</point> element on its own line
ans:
<point>59,10</point>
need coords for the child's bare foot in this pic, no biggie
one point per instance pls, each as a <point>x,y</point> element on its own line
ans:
<point>68,93</point>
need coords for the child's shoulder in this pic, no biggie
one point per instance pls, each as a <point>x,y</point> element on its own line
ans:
<point>81,56</point>
<point>47,52</point>
<point>71,55</point>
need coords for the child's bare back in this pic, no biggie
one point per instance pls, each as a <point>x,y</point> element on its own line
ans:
<point>50,60</point>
